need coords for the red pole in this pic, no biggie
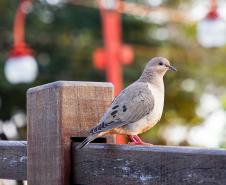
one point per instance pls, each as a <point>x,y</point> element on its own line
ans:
<point>114,53</point>
<point>112,41</point>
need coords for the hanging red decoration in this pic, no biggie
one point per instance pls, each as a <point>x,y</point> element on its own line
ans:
<point>21,67</point>
<point>213,14</point>
<point>211,30</point>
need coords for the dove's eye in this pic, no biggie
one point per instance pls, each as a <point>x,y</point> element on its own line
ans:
<point>160,63</point>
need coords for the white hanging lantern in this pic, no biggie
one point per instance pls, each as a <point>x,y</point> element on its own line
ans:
<point>211,31</point>
<point>21,69</point>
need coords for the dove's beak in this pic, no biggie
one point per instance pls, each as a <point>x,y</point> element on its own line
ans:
<point>171,68</point>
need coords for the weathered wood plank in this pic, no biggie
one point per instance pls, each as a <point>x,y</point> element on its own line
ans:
<point>124,164</point>
<point>56,112</point>
<point>13,160</point>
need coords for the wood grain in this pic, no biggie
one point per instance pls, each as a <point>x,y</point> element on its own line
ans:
<point>132,165</point>
<point>56,112</point>
<point>13,160</point>
<point>124,164</point>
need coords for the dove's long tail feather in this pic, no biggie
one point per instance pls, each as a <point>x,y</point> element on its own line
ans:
<point>87,141</point>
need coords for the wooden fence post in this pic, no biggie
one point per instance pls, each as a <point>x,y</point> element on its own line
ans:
<point>56,112</point>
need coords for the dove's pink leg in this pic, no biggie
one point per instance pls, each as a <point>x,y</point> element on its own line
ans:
<point>137,141</point>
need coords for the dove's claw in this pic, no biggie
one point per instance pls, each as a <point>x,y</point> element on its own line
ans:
<point>137,141</point>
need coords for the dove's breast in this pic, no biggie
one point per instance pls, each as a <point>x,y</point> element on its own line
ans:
<point>151,119</point>
<point>156,113</point>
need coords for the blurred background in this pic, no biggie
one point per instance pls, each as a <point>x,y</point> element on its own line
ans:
<point>48,40</point>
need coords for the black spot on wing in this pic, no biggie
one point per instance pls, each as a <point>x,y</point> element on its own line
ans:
<point>100,126</point>
<point>115,107</point>
<point>108,123</point>
<point>94,130</point>
<point>114,112</point>
<point>124,108</point>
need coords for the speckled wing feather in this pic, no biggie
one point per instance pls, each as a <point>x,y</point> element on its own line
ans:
<point>132,104</point>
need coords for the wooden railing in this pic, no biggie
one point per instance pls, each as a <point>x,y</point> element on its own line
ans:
<point>13,160</point>
<point>125,164</point>
<point>60,113</point>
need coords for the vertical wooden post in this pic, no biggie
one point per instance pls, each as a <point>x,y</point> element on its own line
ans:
<point>56,112</point>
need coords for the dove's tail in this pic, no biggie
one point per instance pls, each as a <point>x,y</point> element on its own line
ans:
<point>86,141</point>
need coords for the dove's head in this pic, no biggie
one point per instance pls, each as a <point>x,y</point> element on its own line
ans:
<point>156,68</point>
<point>159,65</point>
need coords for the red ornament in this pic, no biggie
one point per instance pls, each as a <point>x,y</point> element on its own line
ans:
<point>20,48</point>
<point>213,14</point>
<point>126,54</point>
<point>99,58</point>
<point>21,66</point>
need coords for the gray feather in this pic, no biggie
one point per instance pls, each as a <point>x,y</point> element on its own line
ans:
<point>86,141</point>
<point>131,105</point>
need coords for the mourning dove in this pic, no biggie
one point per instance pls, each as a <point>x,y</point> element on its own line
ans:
<point>137,108</point>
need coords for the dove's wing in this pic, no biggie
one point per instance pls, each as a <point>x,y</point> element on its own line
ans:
<point>132,104</point>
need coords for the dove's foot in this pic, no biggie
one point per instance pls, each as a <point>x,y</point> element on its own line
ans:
<point>137,141</point>
<point>140,143</point>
